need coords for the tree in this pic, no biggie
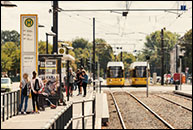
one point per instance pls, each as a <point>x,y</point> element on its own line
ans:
<point>187,43</point>
<point>42,47</point>
<point>104,54</point>
<point>128,58</point>
<point>83,50</point>
<point>153,49</point>
<point>10,58</point>
<point>10,36</point>
<point>79,43</point>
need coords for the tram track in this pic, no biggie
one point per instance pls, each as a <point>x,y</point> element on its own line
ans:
<point>118,111</point>
<point>185,97</point>
<point>171,101</point>
<point>154,113</point>
<point>150,118</point>
<point>178,116</point>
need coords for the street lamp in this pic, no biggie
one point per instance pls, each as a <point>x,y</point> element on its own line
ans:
<point>8,4</point>
<point>48,34</point>
<point>68,74</point>
<point>68,62</point>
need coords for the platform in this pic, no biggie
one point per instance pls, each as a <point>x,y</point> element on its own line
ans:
<point>38,121</point>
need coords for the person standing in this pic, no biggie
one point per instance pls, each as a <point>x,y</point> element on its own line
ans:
<point>25,86</point>
<point>80,75</point>
<point>71,81</point>
<point>84,78</point>
<point>78,81</point>
<point>36,87</point>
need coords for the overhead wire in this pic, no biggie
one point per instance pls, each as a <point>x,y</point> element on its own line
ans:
<point>108,27</point>
<point>165,14</point>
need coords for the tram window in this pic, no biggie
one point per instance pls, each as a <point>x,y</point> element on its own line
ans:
<point>140,71</point>
<point>115,72</point>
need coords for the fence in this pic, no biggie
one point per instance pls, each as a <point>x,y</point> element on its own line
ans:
<point>9,104</point>
<point>64,119</point>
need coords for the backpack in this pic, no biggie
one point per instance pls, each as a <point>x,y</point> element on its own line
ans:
<point>36,87</point>
<point>24,92</point>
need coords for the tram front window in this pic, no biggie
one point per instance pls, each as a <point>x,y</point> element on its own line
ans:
<point>115,72</point>
<point>140,71</point>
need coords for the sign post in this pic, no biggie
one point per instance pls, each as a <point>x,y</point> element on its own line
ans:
<point>28,47</point>
<point>28,44</point>
<point>147,76</point>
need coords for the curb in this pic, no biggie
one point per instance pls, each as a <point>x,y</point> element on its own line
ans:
<point>183,93</point>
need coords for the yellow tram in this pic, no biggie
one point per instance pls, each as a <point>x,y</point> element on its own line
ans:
<point>115,74</point>
<point>137,73</point>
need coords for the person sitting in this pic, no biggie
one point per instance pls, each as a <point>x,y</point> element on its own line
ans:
<point>50,95</point>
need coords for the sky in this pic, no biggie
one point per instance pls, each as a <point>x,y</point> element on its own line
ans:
<point>126,32</point>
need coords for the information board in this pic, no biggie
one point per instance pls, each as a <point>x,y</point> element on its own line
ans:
<point>48,69</point>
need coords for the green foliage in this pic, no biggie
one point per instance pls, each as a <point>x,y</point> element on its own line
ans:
<point>42,47</point>
<point>104,53</point>
<point>187,43</point>
<point>10,36</point>
<point>153,49</point>
<point>10,57</point>
<point>83,50</point>
<point>128,58</point>
<point>79,43</point>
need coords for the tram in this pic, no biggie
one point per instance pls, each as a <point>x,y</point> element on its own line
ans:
<point>137,73</point>
<point>115,74</point>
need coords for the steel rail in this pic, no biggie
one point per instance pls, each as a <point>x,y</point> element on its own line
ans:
<point>155,114</point>
<point>118,111</point>
<point>171,101</point>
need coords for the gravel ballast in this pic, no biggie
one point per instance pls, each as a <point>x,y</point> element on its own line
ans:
<point>114,122</point>
<point>178,117</point>
<point>135,115</point>
<point>183,101</point>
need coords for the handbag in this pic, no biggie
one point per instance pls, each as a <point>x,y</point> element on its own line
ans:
<point>24,91</point>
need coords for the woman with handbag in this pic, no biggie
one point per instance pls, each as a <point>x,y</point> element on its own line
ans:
<point>37,86</point>
<point>25,86</point>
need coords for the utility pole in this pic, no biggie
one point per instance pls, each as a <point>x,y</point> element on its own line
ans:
<point>177,57</point>
<point>162,60</point>
<point>55,27</point>
<point>46,43</point>
<point>68,75</point>
<point>121,56</point>
<point>93,53</point>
